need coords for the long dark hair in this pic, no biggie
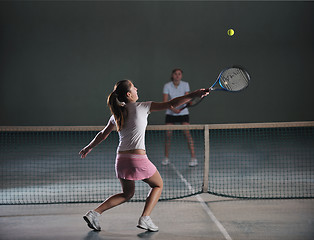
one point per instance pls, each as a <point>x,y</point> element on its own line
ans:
<point>117,100</point>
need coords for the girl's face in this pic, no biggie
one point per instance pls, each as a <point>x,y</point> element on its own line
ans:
<point>132,94</point>
<point>177,76</point>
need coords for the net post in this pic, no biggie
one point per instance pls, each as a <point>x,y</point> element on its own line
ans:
<point>206,159</point>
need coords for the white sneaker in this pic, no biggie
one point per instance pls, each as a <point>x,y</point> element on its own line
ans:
<point>165,161</point>
<point>193,162</point>
<point>146,223</point>
<point>91,217</point>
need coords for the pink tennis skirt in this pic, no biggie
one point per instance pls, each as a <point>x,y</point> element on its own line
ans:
<point>134,167</point>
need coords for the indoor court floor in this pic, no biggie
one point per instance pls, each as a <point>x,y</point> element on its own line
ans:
<point>197,217</point>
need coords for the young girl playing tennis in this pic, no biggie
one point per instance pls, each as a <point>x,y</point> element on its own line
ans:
<point>132,163</point>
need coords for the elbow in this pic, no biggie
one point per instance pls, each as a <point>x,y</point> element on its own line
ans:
<point>102,135</point>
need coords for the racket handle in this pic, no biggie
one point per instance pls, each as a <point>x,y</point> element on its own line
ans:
<point>209,89</point>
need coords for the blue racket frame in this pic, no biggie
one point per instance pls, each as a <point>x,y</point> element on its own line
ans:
<point>196,101</point>
<point>212,88</point>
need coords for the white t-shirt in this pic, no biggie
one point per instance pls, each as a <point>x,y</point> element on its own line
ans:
<point>176,91</point>
<point>132,134</point>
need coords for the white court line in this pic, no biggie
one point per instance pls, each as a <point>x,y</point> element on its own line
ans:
<point>203,204</point>
<point>213,218</point>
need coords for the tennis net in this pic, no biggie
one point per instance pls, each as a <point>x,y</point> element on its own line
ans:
<point>272,160</point>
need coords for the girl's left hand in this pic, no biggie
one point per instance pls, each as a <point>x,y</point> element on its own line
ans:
<point>85,151</point>
<point>175,110</point>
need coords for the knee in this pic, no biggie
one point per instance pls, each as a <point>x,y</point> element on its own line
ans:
<point>160,185</point>
<point>128,195</point>
<point>169,134</point>
<point>187,134</point>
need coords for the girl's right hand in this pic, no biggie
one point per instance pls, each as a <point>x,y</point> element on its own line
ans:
<point>200,93</point>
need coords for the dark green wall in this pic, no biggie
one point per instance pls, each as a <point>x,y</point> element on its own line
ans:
<point>60,60</point>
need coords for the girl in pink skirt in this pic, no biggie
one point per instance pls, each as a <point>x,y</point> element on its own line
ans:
<point>132,163</point>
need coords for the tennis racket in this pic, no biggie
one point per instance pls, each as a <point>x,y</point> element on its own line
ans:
<point>232,79</point>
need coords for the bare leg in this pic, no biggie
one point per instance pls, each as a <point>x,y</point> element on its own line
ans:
<point>128,188</point>
<point>156,183</point>
<point>189,140</point>
<point>167,142</point>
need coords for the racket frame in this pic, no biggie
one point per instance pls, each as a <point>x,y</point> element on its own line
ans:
<point>222,88</point>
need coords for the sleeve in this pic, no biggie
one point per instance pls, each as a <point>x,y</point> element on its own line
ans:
<point>112,120</point>
<point>146,106</point>
<point>166,89</point>
<point>187,87</point>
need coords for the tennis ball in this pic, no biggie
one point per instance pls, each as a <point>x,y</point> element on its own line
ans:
<point>230,32</point>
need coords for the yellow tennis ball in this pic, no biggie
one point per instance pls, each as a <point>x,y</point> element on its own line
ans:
<point>230,32</point>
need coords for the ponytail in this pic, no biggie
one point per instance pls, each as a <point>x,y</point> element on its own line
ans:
<point>117,101</point>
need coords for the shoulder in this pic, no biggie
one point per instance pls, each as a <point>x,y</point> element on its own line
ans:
<point>168,84</point>
<point>143,104</point>
<point>185,85</point>
<point>167,88</point>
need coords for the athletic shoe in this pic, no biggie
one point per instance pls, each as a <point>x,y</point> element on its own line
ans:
<point>165,161</point>
<point>91,217</point>
<point>146,223</point>
<point>193,162</point>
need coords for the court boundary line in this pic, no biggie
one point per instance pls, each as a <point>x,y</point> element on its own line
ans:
<point>203,204</point>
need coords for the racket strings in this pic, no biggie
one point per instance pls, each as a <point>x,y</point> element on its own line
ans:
<point>234,80</point>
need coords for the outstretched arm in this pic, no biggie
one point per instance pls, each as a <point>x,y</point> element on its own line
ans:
<point>175,102</point>
<point>102,135</point>
<point>166,99</point>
